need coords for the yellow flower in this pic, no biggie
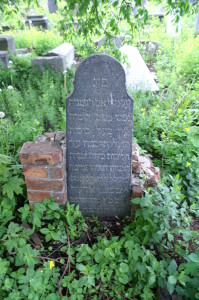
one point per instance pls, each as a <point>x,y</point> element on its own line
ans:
<point>188,164</point>
<point>143,113</point>
<point>187,129</point>
<point>170,140</point>
<point>38,122</point>
<point>20,105</point>
<point>52,264</point>
<point>142,109</point>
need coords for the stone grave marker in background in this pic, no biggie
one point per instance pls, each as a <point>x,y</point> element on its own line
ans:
<point>99,121</point>
<point>138,76</point>
<point>65,50</point>
<point>38,21</point>
<point>52,6</point>
<point>7,44</point>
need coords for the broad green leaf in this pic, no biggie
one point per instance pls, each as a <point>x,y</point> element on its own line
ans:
<point>193,257</point>
<point>91,280</point>
<point>124,279</point>
<point>172,267</point>
<point>44,230</point>
<point>172,279</point>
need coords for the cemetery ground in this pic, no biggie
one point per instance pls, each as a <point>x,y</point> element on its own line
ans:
<point>52,252</point>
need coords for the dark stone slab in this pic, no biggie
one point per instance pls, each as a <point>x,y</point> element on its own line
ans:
<point>7,44</point>
<point>38,21</point>
<point>4,59</point>
<point>99,139</point>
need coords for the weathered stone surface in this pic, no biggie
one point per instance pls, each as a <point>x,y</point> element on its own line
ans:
<point>4,58</point>
<point>65,50</point>
<point>116,40</point>
<point>99,139</point>
<point>7,44</point>
<point>138,76</point>
<point>38,21</point>
<point>56,63</point>
<point>60,135</point>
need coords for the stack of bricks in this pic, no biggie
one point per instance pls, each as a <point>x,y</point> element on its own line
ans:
<point>142,166</point>
<point>44,170</point>
<point>44,166</point>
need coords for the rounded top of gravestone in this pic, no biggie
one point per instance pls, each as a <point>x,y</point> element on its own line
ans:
<point>6,37</point>
<point>100,76</point>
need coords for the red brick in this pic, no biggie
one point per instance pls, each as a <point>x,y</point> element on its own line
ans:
<point>30,172</point>
<point>38,196</point>
<point>47,153</point>
<point>56,173</point>
<point>59,197</point>
<point>137,191</point>
<point>136,167</point>
<point>45,185</point>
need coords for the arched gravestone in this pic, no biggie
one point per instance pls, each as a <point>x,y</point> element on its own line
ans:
<point>99,121</point>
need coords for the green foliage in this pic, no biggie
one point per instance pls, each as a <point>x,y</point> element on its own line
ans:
<point>35,103</point>
<point>37,41</point>
<point>10,182</point>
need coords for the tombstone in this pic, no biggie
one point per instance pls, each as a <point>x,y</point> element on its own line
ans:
<point>52,6</point>
<point>56,63</point>
<point>159,15</point>
<point>7,44</point>
<point>66,50</point>
<point>4,58</point>
<point>38,21</point>
<point>99,124</point>
<point>138,76</point>
<point>117,41</point>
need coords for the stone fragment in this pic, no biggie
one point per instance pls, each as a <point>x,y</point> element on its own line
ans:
<point>65,50</point>
<point>138,76</point>
<point>55,63</point>
<point>59,136</point>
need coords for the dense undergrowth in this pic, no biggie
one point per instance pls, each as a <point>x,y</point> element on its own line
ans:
<point>64,256</point>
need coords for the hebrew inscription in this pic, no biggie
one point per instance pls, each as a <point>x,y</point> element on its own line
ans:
<point>99,117</point>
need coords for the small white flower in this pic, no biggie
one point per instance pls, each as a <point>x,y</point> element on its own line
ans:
<point>2,115</point>
<point>30,21</point>
<point>10,87</point>
<point>0,90</point>
<point>10,62</point>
